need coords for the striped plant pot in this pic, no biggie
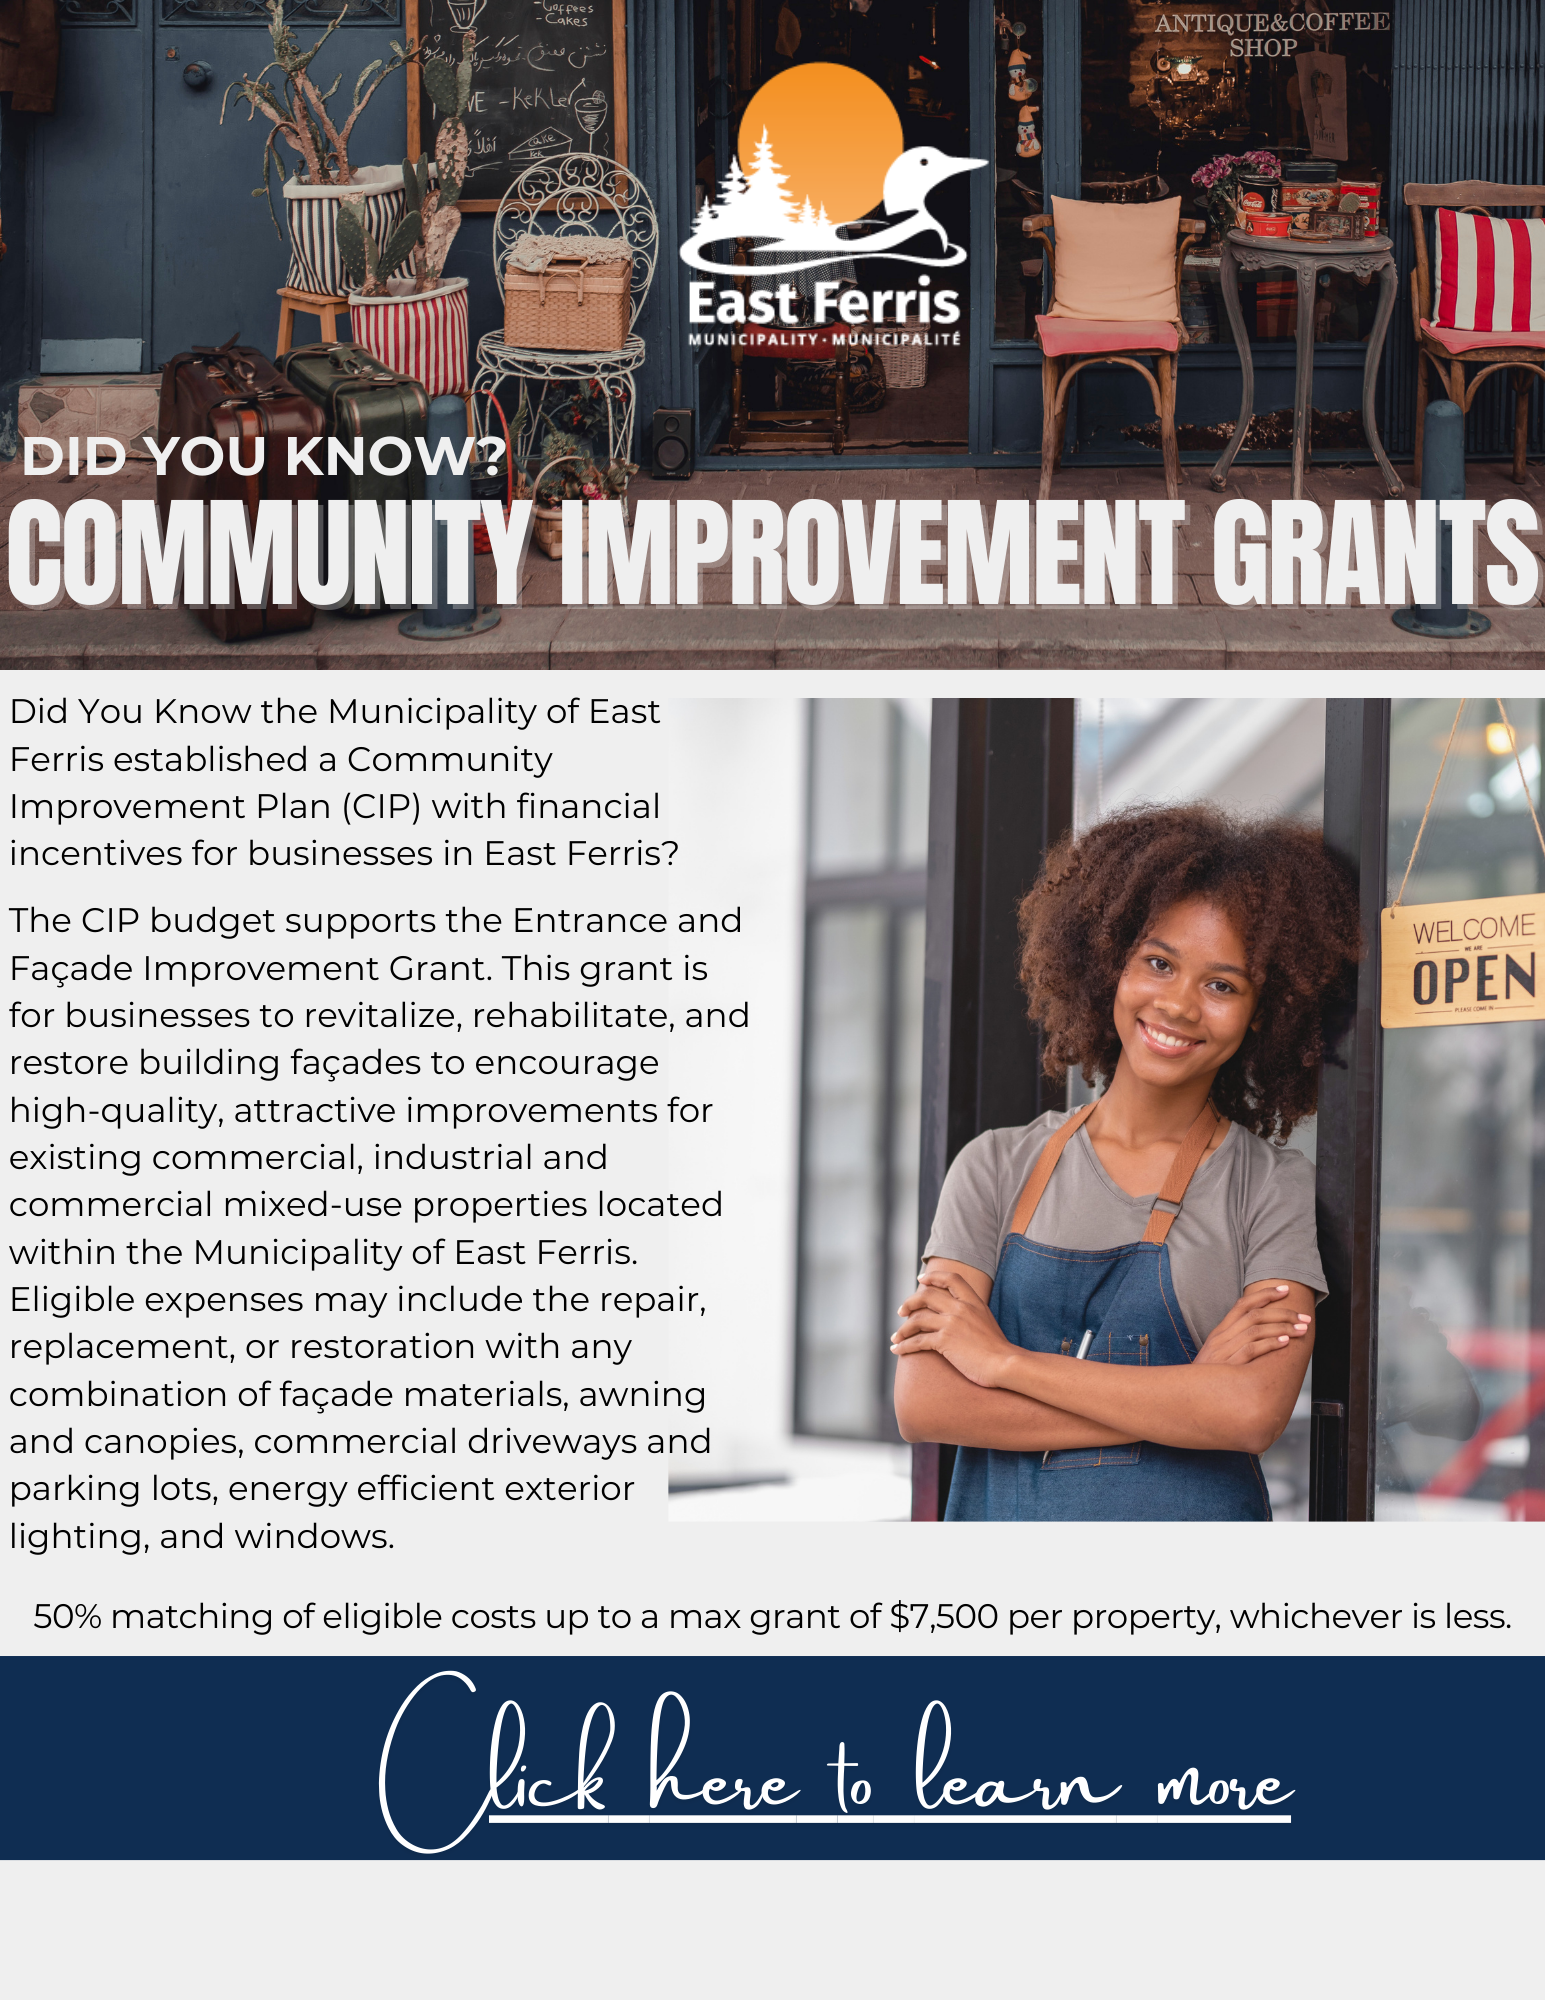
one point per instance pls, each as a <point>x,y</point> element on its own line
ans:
<point>421,334</point>
<point>315,265</point>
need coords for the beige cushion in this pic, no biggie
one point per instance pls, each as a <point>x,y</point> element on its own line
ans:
<point>1115,260</point>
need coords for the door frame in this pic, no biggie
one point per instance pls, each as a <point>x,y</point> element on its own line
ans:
<point>1342,1393</point>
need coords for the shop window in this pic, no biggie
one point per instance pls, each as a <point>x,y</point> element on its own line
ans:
<point>1246,756</point>
<point>914,391</point>
<point>865,886</point>
<point>1461,1335</point>
<point>1166,92</point>
<point>1019,67</point>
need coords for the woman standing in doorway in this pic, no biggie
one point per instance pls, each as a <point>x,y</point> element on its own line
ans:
<point>1200,968</point>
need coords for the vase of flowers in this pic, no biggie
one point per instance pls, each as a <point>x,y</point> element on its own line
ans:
<point>1219,181</point>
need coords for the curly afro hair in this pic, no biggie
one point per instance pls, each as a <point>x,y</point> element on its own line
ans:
<point>1290,900</point>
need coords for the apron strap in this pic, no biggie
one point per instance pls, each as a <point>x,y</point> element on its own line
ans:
<point>1166,1205</point>
<point>1167,1202</point>
<point>1041,1172</point>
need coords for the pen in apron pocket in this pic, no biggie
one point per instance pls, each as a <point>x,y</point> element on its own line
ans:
<point>1082,1355</point>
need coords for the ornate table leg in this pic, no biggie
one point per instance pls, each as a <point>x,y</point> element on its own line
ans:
<point>1303,381</point>
<point>1228,274</point>
<point>1388,283</point>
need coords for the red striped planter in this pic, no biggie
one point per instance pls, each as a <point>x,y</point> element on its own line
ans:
<point>423,334</point>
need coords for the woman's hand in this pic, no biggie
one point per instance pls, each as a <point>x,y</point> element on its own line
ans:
<point>945,1316</point>
<point>1261,1323</point>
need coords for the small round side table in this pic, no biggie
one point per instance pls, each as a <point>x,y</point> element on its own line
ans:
<point>1306,257</point>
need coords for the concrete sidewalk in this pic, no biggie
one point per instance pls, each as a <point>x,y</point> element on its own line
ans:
<point>542,633</point>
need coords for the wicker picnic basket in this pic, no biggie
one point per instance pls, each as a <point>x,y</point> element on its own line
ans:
<point>568,294</point>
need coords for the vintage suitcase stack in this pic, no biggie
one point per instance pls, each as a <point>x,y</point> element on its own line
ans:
<point>228,393</point>
<point>359,401</point>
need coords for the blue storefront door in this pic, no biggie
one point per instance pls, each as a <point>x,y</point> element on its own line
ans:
<point>150,240</point>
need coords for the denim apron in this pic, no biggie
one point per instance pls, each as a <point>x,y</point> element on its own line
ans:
<point>1045,1299</point>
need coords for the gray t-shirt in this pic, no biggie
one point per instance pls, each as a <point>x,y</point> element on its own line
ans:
<point>1248,1214</point>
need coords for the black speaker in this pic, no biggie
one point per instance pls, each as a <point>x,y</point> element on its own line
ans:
<point>670,445</point>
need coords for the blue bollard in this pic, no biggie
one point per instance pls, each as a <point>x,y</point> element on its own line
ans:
<point>1443,478</point>
<point>441,619</point>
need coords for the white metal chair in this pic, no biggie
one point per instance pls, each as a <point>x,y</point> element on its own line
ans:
<point>572,194</point>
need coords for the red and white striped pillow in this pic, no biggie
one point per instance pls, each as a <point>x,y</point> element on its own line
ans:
<point>1491,274</point>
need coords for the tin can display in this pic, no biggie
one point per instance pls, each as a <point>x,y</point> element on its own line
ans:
<point>1308,197</point>
<point>1370,191</point>
<point>1259,194</point>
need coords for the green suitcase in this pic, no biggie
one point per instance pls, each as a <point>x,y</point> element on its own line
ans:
<point>364,403</point>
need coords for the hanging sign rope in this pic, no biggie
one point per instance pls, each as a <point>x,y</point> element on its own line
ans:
<point>1448,964</point>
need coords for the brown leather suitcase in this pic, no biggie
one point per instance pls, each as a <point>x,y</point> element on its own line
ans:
<point>236,392</point>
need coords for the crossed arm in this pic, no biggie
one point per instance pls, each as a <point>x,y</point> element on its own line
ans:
<point>960,1381</point>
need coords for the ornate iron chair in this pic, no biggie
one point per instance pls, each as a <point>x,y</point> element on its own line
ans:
<point>572,194</point>
<point>1451,351</point>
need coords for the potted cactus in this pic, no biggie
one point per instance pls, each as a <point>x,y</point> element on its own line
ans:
<point>298,115</point>
<point>417,324</point>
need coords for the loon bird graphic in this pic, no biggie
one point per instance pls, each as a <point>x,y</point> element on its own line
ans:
<point>910,179</point>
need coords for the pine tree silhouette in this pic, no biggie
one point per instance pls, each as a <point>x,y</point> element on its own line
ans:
<point>720,218</point>
<point>768,208</point>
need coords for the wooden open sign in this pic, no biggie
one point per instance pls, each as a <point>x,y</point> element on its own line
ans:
<point>1456,964</point>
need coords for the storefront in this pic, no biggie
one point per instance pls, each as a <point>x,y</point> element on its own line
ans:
<point>133,233</point>
<point>1426,1399</point>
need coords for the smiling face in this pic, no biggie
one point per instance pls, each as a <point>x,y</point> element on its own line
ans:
<point>1185,1000</point>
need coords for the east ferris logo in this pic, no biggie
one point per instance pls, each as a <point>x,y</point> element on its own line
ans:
<point>824,146</point>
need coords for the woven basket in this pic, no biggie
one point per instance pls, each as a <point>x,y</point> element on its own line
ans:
<point>547,517</point>
<point>903,354</point>
<point>575,304</point>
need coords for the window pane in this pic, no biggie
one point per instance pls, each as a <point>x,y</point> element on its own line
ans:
<point>1462,1292</point>
<point>1017,101</point>
<point>1248,756</point>
<point>912,722</point>
<point>840,1310</point>
<point>850,786</point>
<point>1169,95</point>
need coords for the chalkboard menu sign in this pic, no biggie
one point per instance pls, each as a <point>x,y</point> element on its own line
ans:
<point>549,76</point>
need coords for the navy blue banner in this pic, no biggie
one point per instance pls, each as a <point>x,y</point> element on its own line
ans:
<point>1218,1758</point>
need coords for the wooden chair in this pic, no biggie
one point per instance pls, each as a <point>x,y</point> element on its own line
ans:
<point>1451,352</point>
<point>1068,346</point>
<point>778,429</point>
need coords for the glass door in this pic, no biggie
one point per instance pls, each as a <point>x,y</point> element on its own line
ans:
<point>1459,1419</point>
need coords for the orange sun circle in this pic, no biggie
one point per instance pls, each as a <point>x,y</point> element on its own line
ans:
<point>833,133</point>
